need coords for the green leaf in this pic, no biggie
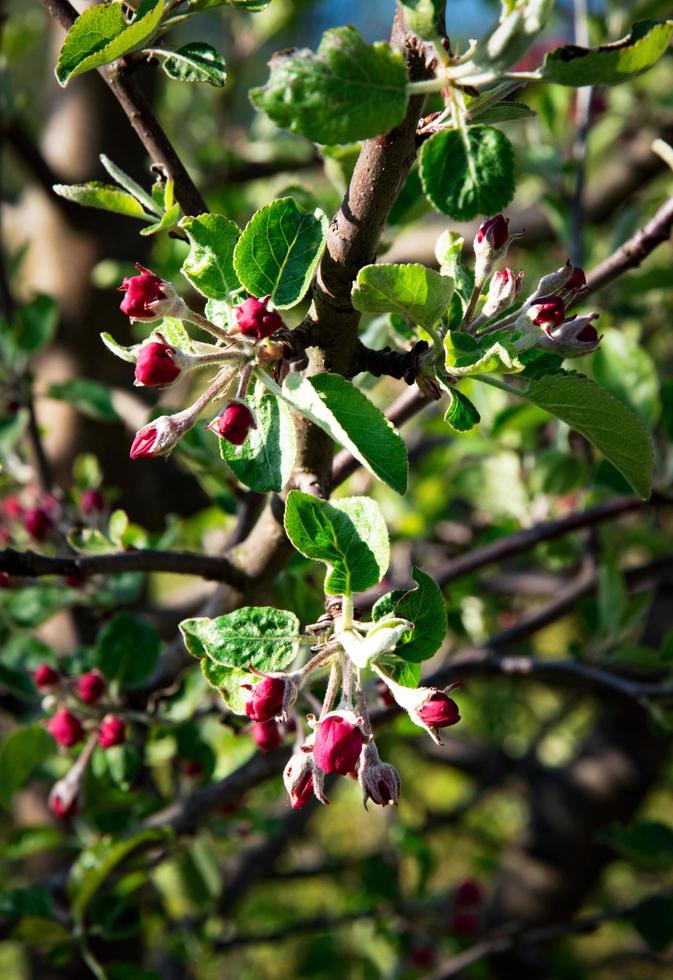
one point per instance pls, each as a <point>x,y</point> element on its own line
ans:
<point>647,843</point>
<point>33,900</point>
<point>461,414</point>
<point>107,197</point>
<point>413,290</point>
<point>127,649</point>
<point>20,755</point>
<point>196,62</point>
<point>167,220</point>
<point>176,333</point>
<point>347,91</point>
<point>349,536</point>
<point>125,353</point>
<point>209,266</point>
<point>607,423</point>
<point>97,862</point>
<point>34,604</point>
<point>265,460</point>
<point>404,673</point>
<point>91,398</point>
<point>101,34</point>
<point>653,920</point>
<point>42,933</point>
<point>470,176</point>
<point>254,636</point>
<point>279,251</point>
<point>501,112</point>
<point>345,414</point>
<point>610,64</point>
<point>421,16</point>
<point>626,369</point>
<point>35,324</point>
<point>229,682</point>
<point>461,364</point>
<point>423,606</point>
<point>130,185</point>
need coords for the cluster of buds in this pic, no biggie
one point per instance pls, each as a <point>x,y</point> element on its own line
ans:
<point>160,364</point>
<point>76,706</point>
<point>27,518</point>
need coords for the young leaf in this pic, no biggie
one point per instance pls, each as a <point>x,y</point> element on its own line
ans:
<point>349,536</point>
<point>209,266</point>
<point>463,364</point>
<point>129,184</point>
<point>470,175</point>
<point>501,112</point>
<point>265,460</point>
<point>423,606</point>
<point>421,16</point>
<point>102,33</point>
<point>91,398</point>
<point>229,682</point>
<point>461,414</point>
<point>254,636</point>
<point>610,64</point>
<point>279,250</point>
<point>20,754</point>
<point>606,422</point>
<point>127,649</point>
<point>413,290</point>
<point>344,413</point>
<point>347,91</point>
<point>107,197</point>
<point>195,62</point>
<point>167,220</point>
<point>35,323</point>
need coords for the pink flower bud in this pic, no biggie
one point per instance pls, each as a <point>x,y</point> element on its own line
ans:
<point>144,441</point>
<point>92,502</point>
<point>302,780</point>
<point>91,687</point>
<point>267,699</point>
<point>338,742</point>
<point>66,728</point>
<point>493,233</point>
<point>11,508</point>
<point>266,735</point>
<point>573,338</point>
<point>380,782</point>
<point>141,291</point>
<point>503,290</point>
<point>63,805</point>
<point>156,365</point>
<point>111,732</point>
<point>158,438</point>
<point>254,319</point>
<point>303,792</point>
<point>234,423</point>
<point>45,677</point>
<point>547,312</point>
<point>37,522</point>
<point>439,710</point>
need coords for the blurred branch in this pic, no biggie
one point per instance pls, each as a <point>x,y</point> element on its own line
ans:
<point>216,567</point>
<point>141,116</point>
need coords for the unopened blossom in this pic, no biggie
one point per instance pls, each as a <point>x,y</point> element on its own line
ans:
<point>63,800</point>
<point>490,244</point>
<point>157,365</point>
<point>503,291</point>
<point>147,297</point>
<point>267,735</point>
<point>91,687</point>
<point>546,312</point>
<point>234,423</point>
<point>268,698</point>
<point>37,522</point>
<point>338,742</point>
<point>46,677</point>
<point>159,437</point>
<point>66,728</point>
<point>255,319</point>
<point>92,502</point>
<point>298,779</point>
<point>573,338</point>
<point>111,732</point>
<point>427,707</point>
<point>380,781</point>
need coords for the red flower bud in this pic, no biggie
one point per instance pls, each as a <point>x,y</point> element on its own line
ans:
<point>254,319</point>
<point>588,334</point>
<point>11,508</point>
<point>494,231</point>
<point>192,768</point>
<point>469,893</point>
<point>45,677</point>
<point>266,735</point>
<point>61,808</point>
<point>267,699</point>
<point>338,742</point>
<point>91,687</point>
<point>143,442</point>
<point>577,279</point>
<point>548,311</point>
<point>303,791</point>
<point>111,732</point>
<point>92,502</point>
<point>141,290</point>
<point>66,728</point>
<point>465,924</point>
<point>439,711</point>
<point>155,366</point>
<point>37,523</point>
<point>234,423</point>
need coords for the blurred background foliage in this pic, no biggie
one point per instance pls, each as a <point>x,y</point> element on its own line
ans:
<point>531,795</point>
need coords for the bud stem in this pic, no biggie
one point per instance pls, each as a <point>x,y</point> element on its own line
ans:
<point>201,321</point>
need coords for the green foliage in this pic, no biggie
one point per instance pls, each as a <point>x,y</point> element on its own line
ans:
<point>209,266</point>
<point>349,536</point>
<point>127,649</point>
<point>195,62</point>
<point>107,197</point>
<point>422,16</point>
<point>423,606</point>
<point>265,460</point>
<point>648,843</point>
<point>610,64</point>
<point>461,414</point>
<point>279,251</point>
<point>463,362</point>
<point>254,636</point>
<point>89,397</point>
<point>623,366</point>
<point>102,33</point>
<point>346,91</point>
<point>35,324</point>
<point>20,755</point>
<point>412,290</point>
<point>653,920</point>
<point>468,174</point>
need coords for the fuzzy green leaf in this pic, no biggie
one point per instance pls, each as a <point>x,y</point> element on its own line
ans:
<point>130,185</point>
<point>610,64</point>
<point>347,91</point>
<point>462,362</point>
<point>265,460</point>
<point>421,16</point>
<point>279,251</point>
<point>461,414</point>
<point>413,290</point>
<point>107,197</point>
<point>196,62</point>
<point>349,536</point>
<point>102,33</point>
<point>471,178</point>
<point>209,266</point>
<point>254,636</point>
<point>423,606</point>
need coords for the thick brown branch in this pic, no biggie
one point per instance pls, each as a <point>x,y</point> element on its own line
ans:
<point>141,116</point>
